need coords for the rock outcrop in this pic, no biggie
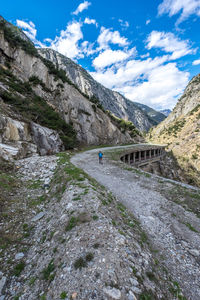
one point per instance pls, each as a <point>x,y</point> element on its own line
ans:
<point>181,131</point>
<point>20,139</point>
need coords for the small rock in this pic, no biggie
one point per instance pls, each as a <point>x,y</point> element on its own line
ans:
<point>113,293</point>
<point>131,296</point>
<point>19,255</point>
<point>38,217</point>
<point>2,284</point>
<point>74,295</point>
<point>134,282</point>
<point>136,290</point>
<point>194,252</point>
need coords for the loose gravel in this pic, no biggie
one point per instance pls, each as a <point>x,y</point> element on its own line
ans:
<point>173,230</point>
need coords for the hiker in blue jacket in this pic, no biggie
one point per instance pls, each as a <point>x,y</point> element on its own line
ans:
<point>100,154</point>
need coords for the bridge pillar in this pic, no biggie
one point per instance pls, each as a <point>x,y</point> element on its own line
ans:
<point>149,153</point>
<point>133,157</point>
<point>145,155</point>
<point>154,152</point>
<point>129,159</point>
<point>139,155</point>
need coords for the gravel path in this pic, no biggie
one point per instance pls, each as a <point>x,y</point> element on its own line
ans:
<point>171,228</point>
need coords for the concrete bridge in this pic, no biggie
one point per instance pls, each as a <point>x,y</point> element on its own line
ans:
<point>141,155</point>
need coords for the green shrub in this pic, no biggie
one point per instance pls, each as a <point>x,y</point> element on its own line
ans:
<point>63,295</point>
<point>48,271</point>
<point>194,156</point>
<point>89,256</point>
<point>80,263</point>
<point>19,268</point>
<point>176,127</point>
<point>195,109</point>
<point>34,80</point>
<point>94,107</point>
<point>71,224</point>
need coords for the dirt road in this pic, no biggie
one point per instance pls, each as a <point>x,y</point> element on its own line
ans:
<point>173,230</point>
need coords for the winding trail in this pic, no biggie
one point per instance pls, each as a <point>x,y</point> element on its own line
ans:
<point>163,220</point>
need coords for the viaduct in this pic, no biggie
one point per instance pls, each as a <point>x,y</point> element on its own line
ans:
<point>141,155</point>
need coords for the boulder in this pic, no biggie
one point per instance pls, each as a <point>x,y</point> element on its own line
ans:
<point>47,140</point>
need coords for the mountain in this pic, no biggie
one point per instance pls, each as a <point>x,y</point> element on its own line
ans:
<point>181,131</point>
<point>166,112</point>
<point>42,110</point>
<point>155,116</point>
<point>110,100</point>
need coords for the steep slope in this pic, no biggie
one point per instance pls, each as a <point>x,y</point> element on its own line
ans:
<point>37,91</point>
<point>112,101</point>
<point>154,115</point>
<point>181,131</point>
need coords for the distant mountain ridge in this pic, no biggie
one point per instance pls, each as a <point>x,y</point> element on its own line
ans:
<point>166,112</point>
<point>154,115</point>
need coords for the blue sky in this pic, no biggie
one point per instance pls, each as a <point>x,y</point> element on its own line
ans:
<point>145,49</point>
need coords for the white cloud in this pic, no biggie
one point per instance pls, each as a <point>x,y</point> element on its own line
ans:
<point>107,36</point>
<point>152,81</point>
<point>88,48</point>
<point>29,27</point>
<point>145,55</point>
<point>109,57</point>
<point>186,8</point>
<point>82,6</point>
<point>163,86</point>
<point>168,42</point>
<point>149,81</point>
<point>147,22</point>
<point>30,30</point>
<point>67,42</point>
<point>126,73</point>
<point>90,21</point>
<point>124,24</point>
<point>196,62</point>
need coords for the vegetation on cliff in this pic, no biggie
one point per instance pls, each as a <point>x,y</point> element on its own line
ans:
<point>35,108</point>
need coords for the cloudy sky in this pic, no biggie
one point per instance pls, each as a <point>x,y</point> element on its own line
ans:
<point>145,49</point>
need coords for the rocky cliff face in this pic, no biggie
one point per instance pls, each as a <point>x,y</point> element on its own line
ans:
<point>19,139</point>
<point>181,131</point>
<point>41,93</point>
<point>112,101</point>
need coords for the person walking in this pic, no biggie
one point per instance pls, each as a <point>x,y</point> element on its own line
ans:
<point>100,154</point>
